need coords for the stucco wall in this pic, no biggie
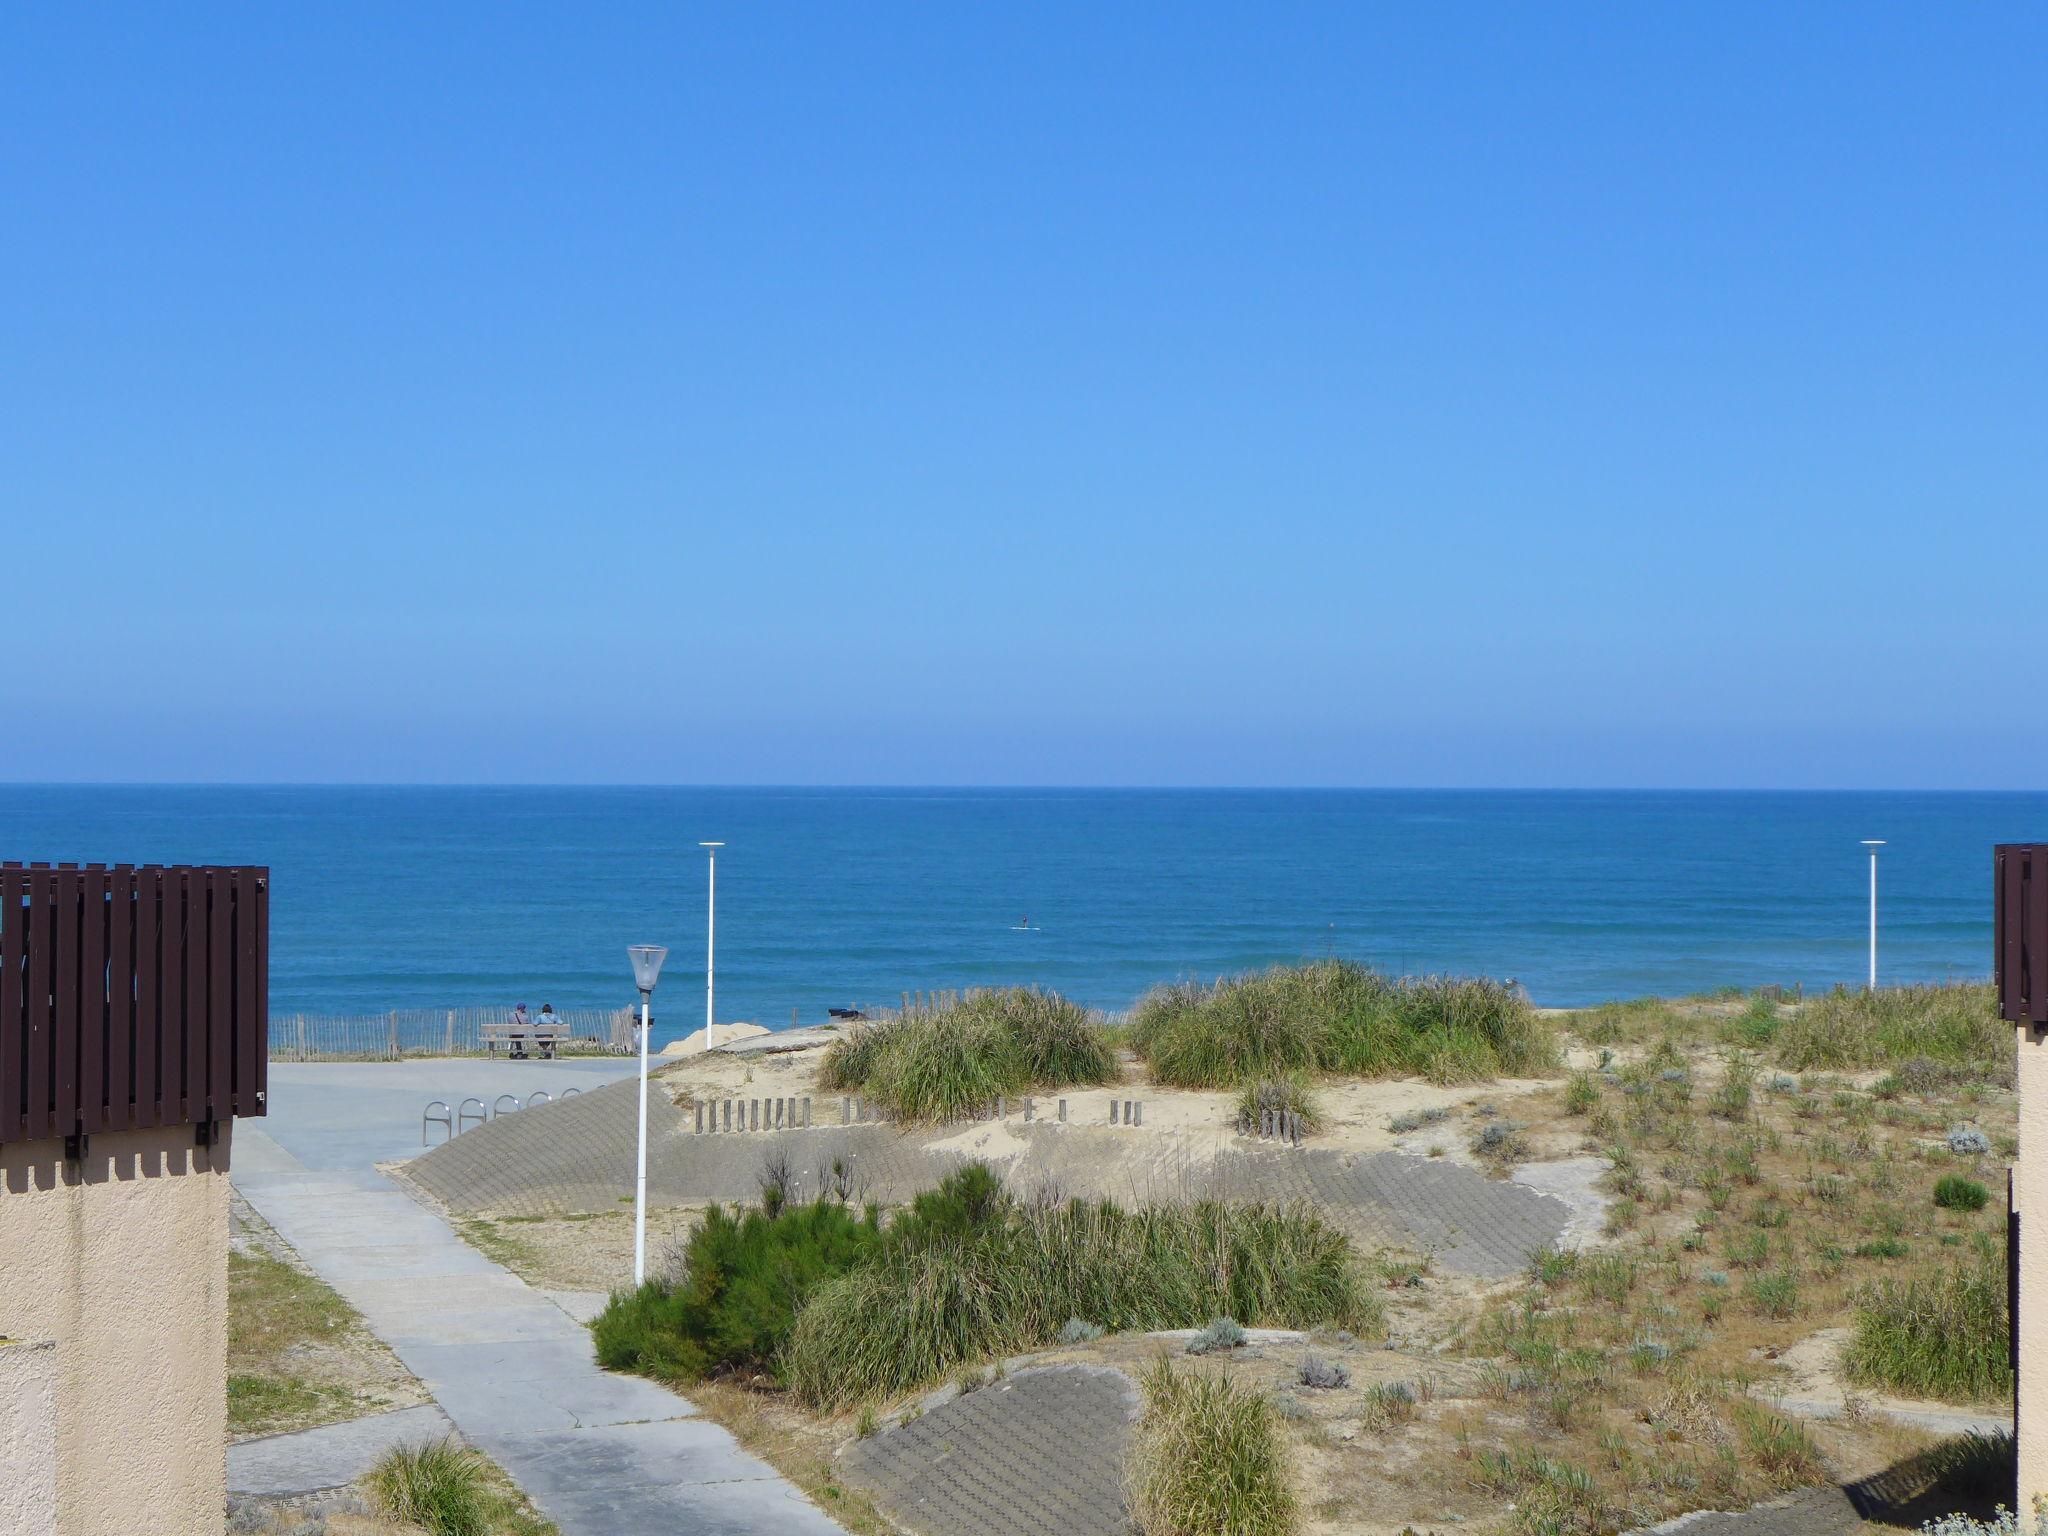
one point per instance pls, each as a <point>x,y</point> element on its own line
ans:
<point>2032,1191</point>
<point>120,1263</point>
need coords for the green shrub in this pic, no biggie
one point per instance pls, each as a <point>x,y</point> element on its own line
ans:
<point>439,1486</point>
<point>1778,1447</point>
<point>1953,1192</point>
<point>936,1295</point>
<point>957,1058</point>
<point>1337,1016</point>
<point>1208,1460</point>
<point>1933,1030</point>
<point>1943,1335</point>
<point>744,1277</point>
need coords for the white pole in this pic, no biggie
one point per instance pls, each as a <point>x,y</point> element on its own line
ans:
<point>710,942</point>
<point>1873,844</point>
<point>710,950</point>
<point>640,1177</point>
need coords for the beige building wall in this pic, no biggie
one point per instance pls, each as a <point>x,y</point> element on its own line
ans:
<point>113,1272</point>
<point>2031,1193</point>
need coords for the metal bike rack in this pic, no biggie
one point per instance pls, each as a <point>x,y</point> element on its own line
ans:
<point>463,1116</point>
<point>445,1119</point>
<point>498,1104</point>
<point>570,1093</point>
<point>538,1096</point>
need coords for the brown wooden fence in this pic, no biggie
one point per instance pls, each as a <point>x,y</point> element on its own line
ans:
<point>131,997</point>
<point>2020,905</point>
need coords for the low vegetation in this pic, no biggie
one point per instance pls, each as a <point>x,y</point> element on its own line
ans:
<point>439,1486</point>
<point>1209,1460</point>
<point>298,1356</point>
<point>1942,1334</point>
<point>1011,1280</point>
<point>843,1310</point>
<point>1335,1016</point>
<point>956,1058</point>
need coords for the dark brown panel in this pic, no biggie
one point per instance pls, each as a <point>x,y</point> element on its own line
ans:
<point>120,999</point>
<point>2034,939</point>
<point>220,993</point>
<point>261,1016</point>
<point>66,981</point>
<point>13,1034</point>
<point>92,1001</point>
<point>250,1043</point>
<point>192,927</point>
<point>171,994</point>
<point>42,945</point>
<point>148,1042</point>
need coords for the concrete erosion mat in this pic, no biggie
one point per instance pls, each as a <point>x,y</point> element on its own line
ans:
<point>1040,1450</point>
<point>577,1155</point>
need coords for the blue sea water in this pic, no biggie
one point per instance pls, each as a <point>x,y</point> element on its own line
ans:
<point>434,897</point>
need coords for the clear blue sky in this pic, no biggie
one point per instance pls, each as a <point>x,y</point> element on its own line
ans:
<point>1496,395</point>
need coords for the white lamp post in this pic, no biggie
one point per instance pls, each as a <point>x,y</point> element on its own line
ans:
<point>710,940</point>
<point>647,960</point>
<point>1873,844</point>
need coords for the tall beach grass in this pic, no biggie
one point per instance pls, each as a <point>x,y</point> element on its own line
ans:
<point>955,1058</point>
<point>1208,1460</point>
<point>1340,1017</point>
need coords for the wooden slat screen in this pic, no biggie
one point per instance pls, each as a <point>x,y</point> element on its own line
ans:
<point>2020,903</point>
<point>131,997</point>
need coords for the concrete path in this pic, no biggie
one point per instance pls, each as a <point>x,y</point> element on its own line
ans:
<point>331,1456</point>
<point>599,1454</point>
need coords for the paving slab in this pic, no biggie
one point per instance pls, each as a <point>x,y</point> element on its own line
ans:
<point>331,1456</point>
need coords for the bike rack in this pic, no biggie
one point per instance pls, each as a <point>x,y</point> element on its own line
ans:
<point>570,1093</point>
<point>498,1104</point>
<point>445,1119</point>
<point>463,1116</point>
<point>538,1096</point>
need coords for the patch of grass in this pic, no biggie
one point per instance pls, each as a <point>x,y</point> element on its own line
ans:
<point>1283,1093</point>
<point>1777,1446</point>
<point>1931,1028</point>
<point>1942,1334</point>
<point>1339,1017</point>
<point>1953,1192</point>
<point>279,1320</point>
<point>955,1059</point>
<point>439,1486</point>
<point>929,1300</point>
<point>259,1402</point>
<point>1208,1460</point>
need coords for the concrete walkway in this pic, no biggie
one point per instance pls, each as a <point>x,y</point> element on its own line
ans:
<point>599,1454</point>
<point>332,1456</point>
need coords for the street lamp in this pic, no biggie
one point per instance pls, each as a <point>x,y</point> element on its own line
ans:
<point>646,960</point>
<point>1873,844</point>
<point>710,940</point>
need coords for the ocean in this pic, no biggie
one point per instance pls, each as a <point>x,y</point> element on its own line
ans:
<point>438,897</point>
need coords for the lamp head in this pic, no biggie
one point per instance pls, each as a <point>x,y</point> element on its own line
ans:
<point>646,960</point>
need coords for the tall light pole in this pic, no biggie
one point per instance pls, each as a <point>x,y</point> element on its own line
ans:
<point>710,940</point>
<point>646,960</point>
<point>1873,844</point>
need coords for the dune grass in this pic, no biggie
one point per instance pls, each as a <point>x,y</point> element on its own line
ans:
<point>1335,1016</point>
<point>1957,1027</point>
<point>1282,1093</point>
<point>955,1059</point>
<point>1208,1460</point>
<point>1942,1334</point>
<point>1010,1276</point>
<point>440,1486</point>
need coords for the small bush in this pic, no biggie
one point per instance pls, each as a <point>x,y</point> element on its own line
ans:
<point>1953,1192</point>
<point>1323,1375</point>
<point>1581,1094</point>
<point>1500,1141</point>
<point>1942,1335</point>
<point>1968,1141</point>
<point>1208,1461</point>
<point>734,1307</point>
<point>1775,1295</point>
<point>1077,1330</point>
<point>438,1486</point>
<point>1219,1338</point>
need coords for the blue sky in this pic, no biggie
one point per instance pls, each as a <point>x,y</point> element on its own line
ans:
<point>1489,395</point>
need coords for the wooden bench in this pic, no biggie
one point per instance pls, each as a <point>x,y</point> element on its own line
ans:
<point>543,1037</point>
